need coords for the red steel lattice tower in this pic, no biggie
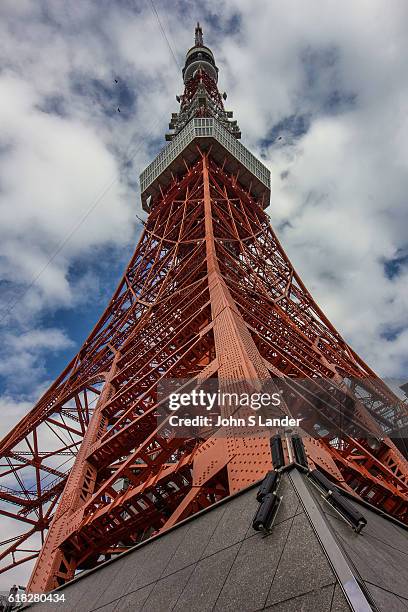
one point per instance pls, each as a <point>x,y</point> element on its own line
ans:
<point>208,293</point>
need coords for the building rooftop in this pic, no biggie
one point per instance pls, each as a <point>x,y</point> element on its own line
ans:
<point>311,561</point>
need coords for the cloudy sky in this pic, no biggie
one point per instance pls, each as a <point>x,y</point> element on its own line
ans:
<point>320,91</point>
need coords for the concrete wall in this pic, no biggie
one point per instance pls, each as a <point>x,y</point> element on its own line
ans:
<point>216,561</point>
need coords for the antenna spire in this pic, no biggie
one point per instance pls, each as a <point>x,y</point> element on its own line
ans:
<point>198,36</point>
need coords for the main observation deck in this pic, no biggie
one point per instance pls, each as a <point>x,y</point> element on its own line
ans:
<point>225,149</point>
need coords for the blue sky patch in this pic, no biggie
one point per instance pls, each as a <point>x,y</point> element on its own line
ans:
<point>393,267</point>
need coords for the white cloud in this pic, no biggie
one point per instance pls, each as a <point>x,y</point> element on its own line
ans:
<point>24,365</point>
<point>11,412</point>
<point>52,171</point>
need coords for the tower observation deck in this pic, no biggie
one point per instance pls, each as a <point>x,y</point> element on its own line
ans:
<point>203,123</point>
<point>209,300</point>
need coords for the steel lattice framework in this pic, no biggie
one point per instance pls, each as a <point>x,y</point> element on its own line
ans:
<point>208,293</point>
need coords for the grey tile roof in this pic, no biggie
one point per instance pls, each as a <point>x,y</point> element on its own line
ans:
<point>216,561</point>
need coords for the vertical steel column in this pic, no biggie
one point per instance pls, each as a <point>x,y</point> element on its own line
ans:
<point>52,564</point>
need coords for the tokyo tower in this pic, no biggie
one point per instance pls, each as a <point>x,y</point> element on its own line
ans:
<point>209,295</point>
